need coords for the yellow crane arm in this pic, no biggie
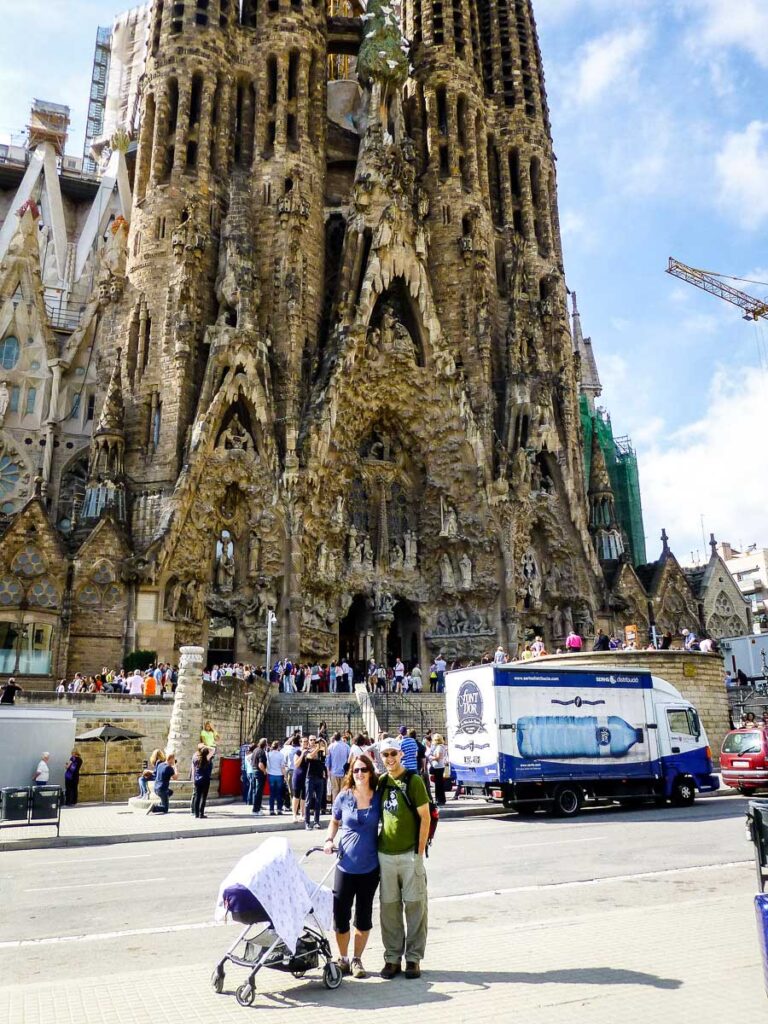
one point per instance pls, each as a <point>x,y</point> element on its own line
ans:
<point>753,308</point>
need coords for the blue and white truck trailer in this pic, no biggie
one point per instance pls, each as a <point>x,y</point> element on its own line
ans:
<point>559,737</point>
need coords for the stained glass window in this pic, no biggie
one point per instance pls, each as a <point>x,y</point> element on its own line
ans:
<point>9,352</point>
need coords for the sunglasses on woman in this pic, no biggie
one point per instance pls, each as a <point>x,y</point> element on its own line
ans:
<point>360,771</point>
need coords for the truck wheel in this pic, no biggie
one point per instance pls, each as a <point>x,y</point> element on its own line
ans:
<point>683,793</point>
<point>745,791</point>
<point>567,801</point>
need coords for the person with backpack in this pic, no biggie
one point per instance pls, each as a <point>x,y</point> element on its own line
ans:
<point>405,833</point>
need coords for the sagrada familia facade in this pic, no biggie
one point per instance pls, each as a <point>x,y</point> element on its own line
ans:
<point>308,350</point>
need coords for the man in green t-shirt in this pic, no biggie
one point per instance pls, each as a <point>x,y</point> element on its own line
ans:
<point>402,842</point>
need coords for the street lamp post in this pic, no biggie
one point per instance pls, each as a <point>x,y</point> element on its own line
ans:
<point>271,618</point>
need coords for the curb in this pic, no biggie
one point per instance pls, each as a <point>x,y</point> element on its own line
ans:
<point>55,842</point>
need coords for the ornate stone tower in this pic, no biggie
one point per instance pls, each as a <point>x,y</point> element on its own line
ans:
<point>349,382</point>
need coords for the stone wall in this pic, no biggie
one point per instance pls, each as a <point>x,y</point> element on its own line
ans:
<point>236,710</point>
<point>698,677</point>
<point>151,718</point>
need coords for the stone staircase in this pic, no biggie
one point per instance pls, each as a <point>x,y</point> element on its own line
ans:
<point>341,711</point>
<point>305,711</point>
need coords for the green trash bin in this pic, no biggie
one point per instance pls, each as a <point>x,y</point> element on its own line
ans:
<point>46,801</point>
<point>14,803</point>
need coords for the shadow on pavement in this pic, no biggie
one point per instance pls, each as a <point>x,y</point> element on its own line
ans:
<point>402,992</point>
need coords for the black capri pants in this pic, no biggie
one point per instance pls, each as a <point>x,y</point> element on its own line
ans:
<point>357,889</point>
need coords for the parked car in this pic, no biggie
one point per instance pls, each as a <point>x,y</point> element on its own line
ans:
<point>744,760</point>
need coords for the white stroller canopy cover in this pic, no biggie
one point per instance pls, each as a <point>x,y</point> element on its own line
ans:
<point>274,877</point>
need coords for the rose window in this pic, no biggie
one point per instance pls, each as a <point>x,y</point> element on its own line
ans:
<point>10,474</point>
<point>102,575</point>
<point>10,591</point>
<point>89,596</point>
<point>43,594</point>
<point>28,562</point>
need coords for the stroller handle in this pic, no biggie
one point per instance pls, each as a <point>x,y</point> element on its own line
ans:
<point>315,849</point>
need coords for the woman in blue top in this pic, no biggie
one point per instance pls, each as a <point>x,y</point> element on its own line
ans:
<point>356,811</point>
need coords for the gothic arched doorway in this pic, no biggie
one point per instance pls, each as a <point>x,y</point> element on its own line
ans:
<point>356,634</point>
<point>404,634</point>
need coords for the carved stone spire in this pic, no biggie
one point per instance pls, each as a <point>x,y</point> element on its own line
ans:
<point>605,530</point>
<point>590,379</point>
<point>105,491</point>
<point>113,410</point>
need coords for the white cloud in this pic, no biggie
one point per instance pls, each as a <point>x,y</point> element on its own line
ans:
<point>701,323</point>
<point>741,168</point>
<point>742,24</point>
<point>606,61</point>
<point>715,467</point>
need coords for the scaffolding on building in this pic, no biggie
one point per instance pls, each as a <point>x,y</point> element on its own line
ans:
<point>621,462</point>
<point>98,95</point>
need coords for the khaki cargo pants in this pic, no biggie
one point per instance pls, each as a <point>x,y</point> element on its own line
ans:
<point>403,891</point>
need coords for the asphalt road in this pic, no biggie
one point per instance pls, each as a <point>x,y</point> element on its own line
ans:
<point>149,906</point>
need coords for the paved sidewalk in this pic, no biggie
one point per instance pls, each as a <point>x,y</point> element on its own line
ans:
<point>106,824</point>
<point>682,949</point>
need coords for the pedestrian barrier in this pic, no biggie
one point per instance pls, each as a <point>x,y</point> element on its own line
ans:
<point>757,827</point>
<point>23,806</point>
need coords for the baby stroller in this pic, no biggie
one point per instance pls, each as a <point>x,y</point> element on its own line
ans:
<point>285,916</point>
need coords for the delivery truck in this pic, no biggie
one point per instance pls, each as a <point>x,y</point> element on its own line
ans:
<point>559,737</point>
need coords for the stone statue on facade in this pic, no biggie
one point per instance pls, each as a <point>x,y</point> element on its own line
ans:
<point>225,563</point>
<point>367,553</point>
<point>5,398</point>
<point>337,515</point>
<point>531,578</point>
<point>411,549</point>
<point>447,575</point>
<point>450,522</point>
<point>396,557</point>
<point>322,558</point>
<point>254,554</point>
<point>465,570</point>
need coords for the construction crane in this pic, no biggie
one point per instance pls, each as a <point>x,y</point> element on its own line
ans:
<point>708,281</point>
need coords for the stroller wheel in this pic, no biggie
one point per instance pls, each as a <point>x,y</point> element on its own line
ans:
<point>245,994</point>
<point>332,975</point>
<point>298,974</point>
<point>217,981</point>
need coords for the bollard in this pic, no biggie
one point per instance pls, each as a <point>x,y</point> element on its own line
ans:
<point>761,913</point>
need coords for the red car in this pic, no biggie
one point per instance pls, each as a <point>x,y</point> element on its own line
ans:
<point>744,760</point>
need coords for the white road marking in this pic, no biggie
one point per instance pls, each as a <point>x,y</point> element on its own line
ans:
<point>553,842</point>
<point>604,880</point>
<point>201,925</point>
<point>94,885</point>
<point>105,936</point>
<point>72,861</point>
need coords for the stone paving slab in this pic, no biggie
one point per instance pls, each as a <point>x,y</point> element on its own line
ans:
<point>107,824</point>
<point>691,957</point>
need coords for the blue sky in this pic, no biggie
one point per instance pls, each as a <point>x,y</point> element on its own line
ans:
<point>661,132</point>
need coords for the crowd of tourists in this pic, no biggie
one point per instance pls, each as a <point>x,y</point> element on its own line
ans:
<point>303,773</point>
<point>341,676</point>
